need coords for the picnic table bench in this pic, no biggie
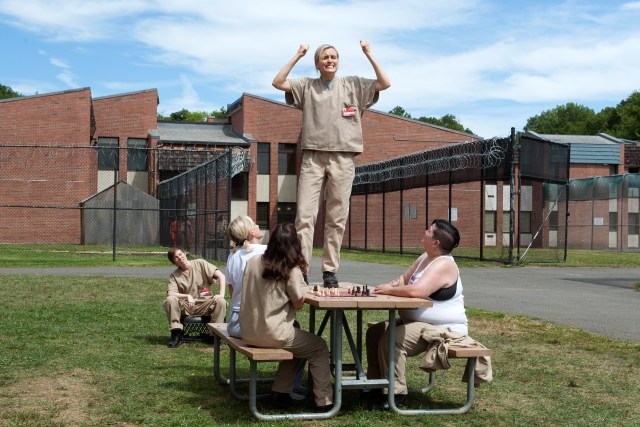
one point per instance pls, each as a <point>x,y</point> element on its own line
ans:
<point>255,355</point>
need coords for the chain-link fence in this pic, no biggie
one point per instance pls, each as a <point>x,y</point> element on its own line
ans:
<point>394,201</point>
<point>82,195</point>
<point>605,213</point>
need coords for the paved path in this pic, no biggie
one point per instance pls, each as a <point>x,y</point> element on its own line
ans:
<point>600,300</point>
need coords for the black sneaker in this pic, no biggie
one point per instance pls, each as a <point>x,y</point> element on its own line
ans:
<point>399,399</point>
<point>281,400</point>
<point>330,280</point>
<point>324,408</point>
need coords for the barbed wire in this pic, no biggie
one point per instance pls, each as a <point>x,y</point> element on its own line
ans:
<point>482,154</point>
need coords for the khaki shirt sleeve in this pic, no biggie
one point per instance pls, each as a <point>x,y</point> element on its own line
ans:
<point>296,96</point>
<point>296,287</point>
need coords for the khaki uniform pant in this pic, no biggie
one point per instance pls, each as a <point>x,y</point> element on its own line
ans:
<point>408,344</point>
<point>336,171</point>
<point>306,345</point>
<point>176,307</point>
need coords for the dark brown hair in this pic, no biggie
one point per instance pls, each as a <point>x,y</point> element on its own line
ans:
<point>283,253</point>
<point>172,253</point>
<point>447,234</point>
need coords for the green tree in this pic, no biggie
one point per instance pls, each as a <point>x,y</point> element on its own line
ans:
<point>399,111</point>
<point>7,92</point>
<point>448,121</point>
<point>629,112</point>
<point>568,119</point>
<point>185,115</point>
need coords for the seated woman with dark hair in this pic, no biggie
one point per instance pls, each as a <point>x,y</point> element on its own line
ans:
<point>435,276</point>
<point>273,290</point>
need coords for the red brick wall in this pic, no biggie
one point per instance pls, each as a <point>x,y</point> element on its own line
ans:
<point>54,180</point>
<point>125,116</point>
<point>588,170</point>
<point>50,177</point>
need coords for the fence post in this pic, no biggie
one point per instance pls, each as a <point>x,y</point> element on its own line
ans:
<point>511,192</point>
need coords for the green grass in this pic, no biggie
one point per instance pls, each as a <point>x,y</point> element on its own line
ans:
<point>14,255</point>
<point>59,255</point>
<point>92,351</point>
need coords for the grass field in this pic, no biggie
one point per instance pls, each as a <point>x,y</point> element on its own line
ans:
<point>92,351</point>
<point>14,255</point>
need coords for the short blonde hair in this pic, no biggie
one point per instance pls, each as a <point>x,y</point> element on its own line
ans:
<point>321,49</point>
<point>239,230</point>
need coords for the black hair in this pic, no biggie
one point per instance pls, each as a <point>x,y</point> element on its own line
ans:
<point>447,234</point>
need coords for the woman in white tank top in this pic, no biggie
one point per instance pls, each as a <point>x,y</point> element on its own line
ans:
<point>434,276</point>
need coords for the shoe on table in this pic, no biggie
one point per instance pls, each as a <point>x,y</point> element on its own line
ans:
<point>176,338</point>
<point>330,280</point>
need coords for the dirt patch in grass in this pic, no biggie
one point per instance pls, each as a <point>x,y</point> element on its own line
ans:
<point>63,400</point>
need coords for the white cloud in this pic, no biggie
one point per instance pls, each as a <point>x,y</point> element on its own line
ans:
<point>634,5</point>
<point>469,58</point>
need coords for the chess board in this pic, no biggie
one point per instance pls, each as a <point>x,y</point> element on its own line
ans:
<point>346,290</point>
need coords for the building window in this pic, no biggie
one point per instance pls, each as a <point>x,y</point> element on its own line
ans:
<point>286,159</point>
<point>613,169</point>
<point>410,212</point>
<point>553,220</point>
<point>136,154</point>
<point>613,221</point>
<point>240,187</point>
<point>489,221</point>
<point>107,154</point>
<point>506,221</point>
<point>262,215</point>
<point>264,158</point>
<point>525,222</point>
<point>286,212</point>
<point>634,224</point>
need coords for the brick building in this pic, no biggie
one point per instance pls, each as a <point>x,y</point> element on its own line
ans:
<point>48,161</point>
<point>59,149</point>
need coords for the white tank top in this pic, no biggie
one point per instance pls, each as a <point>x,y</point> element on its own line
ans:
<point>448,314</point>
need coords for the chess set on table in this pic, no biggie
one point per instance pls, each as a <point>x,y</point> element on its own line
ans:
<point>350,290</point>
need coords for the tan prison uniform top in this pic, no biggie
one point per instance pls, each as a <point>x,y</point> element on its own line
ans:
<point>331,117</point>
<point>266,311</point>
<point>200,276</point>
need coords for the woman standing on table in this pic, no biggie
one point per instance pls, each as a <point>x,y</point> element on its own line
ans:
<point>332,109</point>
<point>273,290</point>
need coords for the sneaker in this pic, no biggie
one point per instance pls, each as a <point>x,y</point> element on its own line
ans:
<point>324,408</point>
<point>399,399</point>
<point>281,400</point>
<point>330,280</point>
<point>297,396</point>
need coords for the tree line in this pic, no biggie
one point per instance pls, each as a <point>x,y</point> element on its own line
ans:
<point>621,121</point>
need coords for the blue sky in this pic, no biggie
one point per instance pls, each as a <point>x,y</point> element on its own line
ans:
<point>492,64</point>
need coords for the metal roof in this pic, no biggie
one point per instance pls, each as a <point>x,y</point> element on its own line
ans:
<point>601,138</point>
<point>589,149</point>
<point>198,133</point>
